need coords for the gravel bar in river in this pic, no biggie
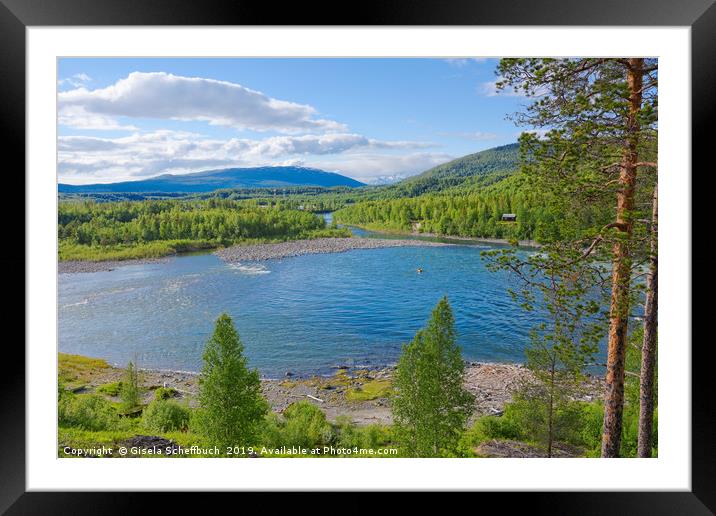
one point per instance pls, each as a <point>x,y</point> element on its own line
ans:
<point>259,252</point>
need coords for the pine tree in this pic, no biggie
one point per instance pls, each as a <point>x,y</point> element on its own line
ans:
<point>432,406</point>
<point>600,114</point>
<point>231,403</point>
<point>648,350</point>
<point>561,346</point>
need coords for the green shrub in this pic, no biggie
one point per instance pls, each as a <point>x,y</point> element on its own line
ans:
<point>369,437</point>
<point>271,434</point>
<point>525,421</point>
<point>502,427</point>
<point>579,424</point>
<point>376,436</point>
<point>585,427</point>
<point>110,389</point>
<point>61,389</point>
<point>88,412</point>
<point>305,425</point>
<point>592,417</point>
<point>490,427</point>
<point>165,393</point>
<point>301,424</point>
<point>165,416</point>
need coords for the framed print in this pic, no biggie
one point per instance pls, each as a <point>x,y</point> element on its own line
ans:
<point>414,250</point>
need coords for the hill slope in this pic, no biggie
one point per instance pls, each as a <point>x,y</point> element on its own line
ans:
<point>261,177</point>
<point>477,169</point>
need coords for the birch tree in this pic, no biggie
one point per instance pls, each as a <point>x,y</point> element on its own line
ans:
<point>432,406</point>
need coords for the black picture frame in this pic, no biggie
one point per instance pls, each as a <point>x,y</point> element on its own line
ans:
<point>17,15</point>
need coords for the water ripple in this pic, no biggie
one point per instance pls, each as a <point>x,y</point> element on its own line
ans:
<point>304,314</point>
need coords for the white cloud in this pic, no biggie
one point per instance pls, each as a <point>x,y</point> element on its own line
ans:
<point>77,80</point>
<point>460,62</point>
<point>385,180</point>
<point>75,116</point>
<point>332,143</point>
<point>85,159</point>
<point>539,133</point>
<point>489,89</point>
<point>478,136</point>
<point>367,167</point>
<point>159,95</point>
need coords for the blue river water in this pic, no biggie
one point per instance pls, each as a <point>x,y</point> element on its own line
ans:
<point>303,314</point>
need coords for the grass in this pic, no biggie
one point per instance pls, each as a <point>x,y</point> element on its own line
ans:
<point>361,386</point>
<point>87,440</point>
<point>110,389</point>
<point>156,249</point>
<point>340,379</point>
<point>370,390</point>
<point>164,393</point>
<point>77,370</point>
<point>132,412</point>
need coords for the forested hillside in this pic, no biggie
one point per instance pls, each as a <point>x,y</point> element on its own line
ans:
<point>474,212</point>
<point>468,197</point>
<point>477,169</point>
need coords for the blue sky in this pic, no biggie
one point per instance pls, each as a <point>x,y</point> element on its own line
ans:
<point>126,119</point>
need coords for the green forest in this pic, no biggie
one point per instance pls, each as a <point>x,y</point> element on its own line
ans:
<point>472,212</point>
<point>151,228</point>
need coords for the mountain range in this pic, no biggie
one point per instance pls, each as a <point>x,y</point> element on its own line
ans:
<point>207,181</point>
<point>478,169</point>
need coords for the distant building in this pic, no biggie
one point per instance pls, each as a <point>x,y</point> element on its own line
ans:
<point>509,217</point>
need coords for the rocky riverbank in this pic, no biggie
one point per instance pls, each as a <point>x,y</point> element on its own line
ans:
<point>260,252</point>
<point>361,394</point>
<point>76,266</point>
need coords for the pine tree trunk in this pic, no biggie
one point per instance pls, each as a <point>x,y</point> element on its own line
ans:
<point>648,350</point>
<point>621,269</point>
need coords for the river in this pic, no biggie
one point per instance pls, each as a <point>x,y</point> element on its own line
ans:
<point>305,314</point>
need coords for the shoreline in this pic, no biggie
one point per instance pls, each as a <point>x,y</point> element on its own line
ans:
<point>292,248</point>
<point>520,243</point>
<point>502,241</point>
<point>363,394</point>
